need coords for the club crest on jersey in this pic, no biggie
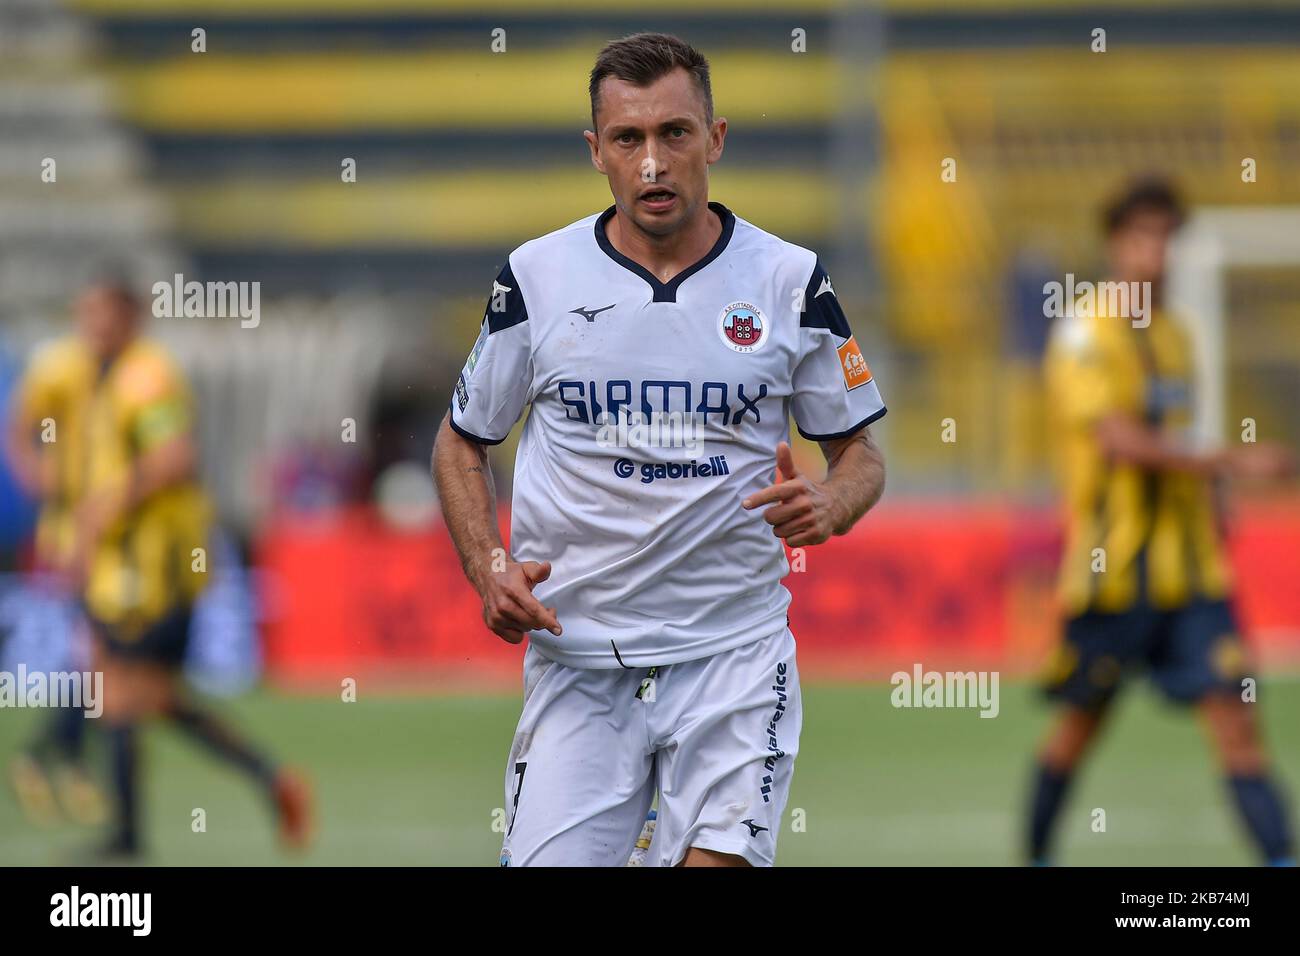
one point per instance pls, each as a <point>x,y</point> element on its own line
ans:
<point>742,327</point>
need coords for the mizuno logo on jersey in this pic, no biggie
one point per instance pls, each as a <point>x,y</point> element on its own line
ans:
<point>754,828</point>
<point>590,314</point>
<point>824,287</point>
<point>497,303</point>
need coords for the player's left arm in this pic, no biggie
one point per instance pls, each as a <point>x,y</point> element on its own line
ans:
<point>161,423</point>
<point>171,462</point>
<point>855,476</point>
<point>834,400</point>
<point>805,511</point>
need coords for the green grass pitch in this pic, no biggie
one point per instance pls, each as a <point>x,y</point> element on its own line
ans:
<point>415,780</point>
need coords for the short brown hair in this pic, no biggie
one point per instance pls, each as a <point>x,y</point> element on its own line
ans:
<point>1150,193</point>
<point>114,277</point>
<point>642,58</point>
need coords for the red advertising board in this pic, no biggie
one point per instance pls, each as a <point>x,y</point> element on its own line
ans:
<point>942,584</point>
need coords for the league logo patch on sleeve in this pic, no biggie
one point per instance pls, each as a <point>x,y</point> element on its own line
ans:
<point>852,365</point>
<point>462,393</point>
<point>476,351</point>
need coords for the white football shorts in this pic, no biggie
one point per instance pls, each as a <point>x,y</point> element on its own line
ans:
<point>715,737</point>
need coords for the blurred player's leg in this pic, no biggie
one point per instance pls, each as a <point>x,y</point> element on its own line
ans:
<point>1201,661</point>
<point>49,776</point>
<point>219,739</point>
<point>146,683</point>
<point>1233,730</point>
<point>61,737</point>
<point>1071,735</point>
<point>1084,676</point>
<point>124,838</point>
<point>32,772</point>
<point>120,719</point>
<point>288,792</point>
<point>59,752</point>
<point>33,789</point>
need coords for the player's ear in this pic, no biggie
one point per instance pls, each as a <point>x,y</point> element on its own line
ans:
<point>593,141</point>
<point>717,136</point>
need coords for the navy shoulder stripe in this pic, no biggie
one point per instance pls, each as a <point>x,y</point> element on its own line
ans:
<point>505,307</point>
<point>821,307</point>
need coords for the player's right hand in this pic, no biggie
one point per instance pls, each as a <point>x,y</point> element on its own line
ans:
<point>509,608</point>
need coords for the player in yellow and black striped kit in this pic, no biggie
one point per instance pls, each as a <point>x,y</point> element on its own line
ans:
<point>135,539</point>
<point>1145,579</point>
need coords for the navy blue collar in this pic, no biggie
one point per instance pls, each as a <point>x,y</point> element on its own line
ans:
<point>667,291</point>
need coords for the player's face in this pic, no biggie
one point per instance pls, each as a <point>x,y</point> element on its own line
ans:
<point>656,144</point>
<point>1138,248</point>
<point>105,320</point>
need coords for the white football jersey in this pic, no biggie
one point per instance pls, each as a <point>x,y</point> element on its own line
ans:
<point>656,408</point>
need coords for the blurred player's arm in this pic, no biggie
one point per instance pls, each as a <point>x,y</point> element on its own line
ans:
<point>1087,388</point>
<point>1125,438</point>
<point>464,478</point>
<point>31,464</point>
<point>172,462</point>
<point>161,424</point>
<point>161,427</point>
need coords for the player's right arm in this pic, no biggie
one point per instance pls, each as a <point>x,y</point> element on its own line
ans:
<point>464,479</point>
<point>32,465</point>
<point>489,398</point>
<point>24,459</point>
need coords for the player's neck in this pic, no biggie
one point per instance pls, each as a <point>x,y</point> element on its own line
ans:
<point>106,359</point>
<point>1157,292</point>
<point>665,256</point>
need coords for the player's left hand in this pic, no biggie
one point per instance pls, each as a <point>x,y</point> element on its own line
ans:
<point>801,509</point>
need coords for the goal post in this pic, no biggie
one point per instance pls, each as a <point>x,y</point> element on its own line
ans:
<point>1214,241</point>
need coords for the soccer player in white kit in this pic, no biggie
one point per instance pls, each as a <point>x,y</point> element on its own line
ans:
<point>645,565</point>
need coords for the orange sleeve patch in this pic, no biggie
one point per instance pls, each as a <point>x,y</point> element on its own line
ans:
<point>852,365</point>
